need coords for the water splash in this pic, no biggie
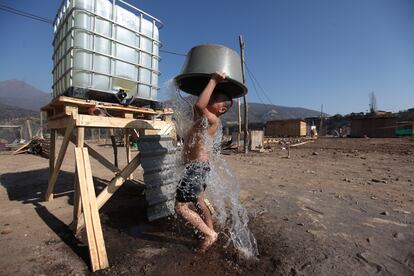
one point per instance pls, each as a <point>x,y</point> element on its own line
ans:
<point>182,106</point>
<point>222,186</point>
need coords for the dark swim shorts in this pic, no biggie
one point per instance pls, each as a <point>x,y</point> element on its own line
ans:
<point>193,182</point>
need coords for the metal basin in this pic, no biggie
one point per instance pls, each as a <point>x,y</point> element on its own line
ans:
<point>204,60</point>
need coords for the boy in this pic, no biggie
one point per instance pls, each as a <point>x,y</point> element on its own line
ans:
<point>200,141</point>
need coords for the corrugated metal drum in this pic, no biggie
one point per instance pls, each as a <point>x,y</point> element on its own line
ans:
<point>158,159</point>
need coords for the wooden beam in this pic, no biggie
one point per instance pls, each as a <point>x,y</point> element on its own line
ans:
<point>128,150</point>
<point>246,107</point>
<point>10,126</point>
<point>77,206</point>
<point>59,123</point>
<point>105,162</point>
<point>114,185</point>
<point>63,100</point>
<point>96,243</point>
<point>118,181</point>
<point>115,122</point>
<point>111,122</point>
<point>52,154</point>
<point>301,143</point>
<point>97,156</point>
<point>61,156</point>
<point>29,129</point>
<point>238,123</point>
<point>114,148</point>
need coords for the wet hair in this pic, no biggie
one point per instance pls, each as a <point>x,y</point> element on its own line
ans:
<point>224,99</point>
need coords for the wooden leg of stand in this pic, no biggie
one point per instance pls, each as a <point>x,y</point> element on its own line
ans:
<point>77,205</point>
<point>113,142</point>
<point>61,156</point>
<point>114,185</point>
<point>96,243</point>
<point>128,150</point>
<point>52,154</point>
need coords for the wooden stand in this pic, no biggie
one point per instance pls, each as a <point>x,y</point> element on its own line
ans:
<point>67,115</point>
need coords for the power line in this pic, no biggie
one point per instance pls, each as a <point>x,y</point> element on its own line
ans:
<point>255,88</point>
<point>25,14</point>
<point>50,21</point>
<point>173,53</point>
<point>258,84</point>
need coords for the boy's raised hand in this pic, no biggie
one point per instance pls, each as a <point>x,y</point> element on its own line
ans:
<point>204,98</point>
<point>219,76</point>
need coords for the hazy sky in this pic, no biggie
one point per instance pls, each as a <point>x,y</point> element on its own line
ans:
<point>303,53</point>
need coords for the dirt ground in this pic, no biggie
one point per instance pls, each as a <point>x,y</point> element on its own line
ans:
<point>337,206</point>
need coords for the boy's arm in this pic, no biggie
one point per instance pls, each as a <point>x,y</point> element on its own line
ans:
<point>204,98</point>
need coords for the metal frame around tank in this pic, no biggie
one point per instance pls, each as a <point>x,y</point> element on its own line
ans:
<point>63,16</point>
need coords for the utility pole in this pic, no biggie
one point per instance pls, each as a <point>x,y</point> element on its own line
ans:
<point>41,124</point>
<point>238,123</point>
<point>321,119</point>
<point>246,108</point>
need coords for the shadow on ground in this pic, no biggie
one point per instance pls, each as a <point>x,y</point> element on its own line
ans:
<point>124,213</point>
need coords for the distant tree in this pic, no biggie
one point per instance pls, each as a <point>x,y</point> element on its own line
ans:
<point>372,102</point>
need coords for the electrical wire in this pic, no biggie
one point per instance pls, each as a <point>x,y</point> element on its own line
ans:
<point>258,84</point>
<point>50,21</point>
<point>173,53</point>
<point>255,88</point>
<point>25,14</point>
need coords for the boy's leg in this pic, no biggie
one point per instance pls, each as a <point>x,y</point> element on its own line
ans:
<point>204,211</point>
<point>195,220</point>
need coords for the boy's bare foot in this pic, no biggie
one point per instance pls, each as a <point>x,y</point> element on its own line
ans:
<point>208,242</point>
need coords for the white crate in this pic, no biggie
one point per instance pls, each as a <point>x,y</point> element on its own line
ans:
<point>103,47</point>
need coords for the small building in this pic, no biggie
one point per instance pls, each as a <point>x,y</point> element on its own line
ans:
<point>286,128</point>
<point>373,125</point>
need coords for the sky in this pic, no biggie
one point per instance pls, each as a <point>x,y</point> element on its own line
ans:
<point>303,53</point>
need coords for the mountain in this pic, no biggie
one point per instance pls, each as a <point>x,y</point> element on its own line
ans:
<point>261,113</point>
<point>20,94</point>
<point>12,114</point>
<point>15,93</point>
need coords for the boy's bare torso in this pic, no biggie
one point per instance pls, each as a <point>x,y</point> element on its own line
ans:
<point>199,140</point>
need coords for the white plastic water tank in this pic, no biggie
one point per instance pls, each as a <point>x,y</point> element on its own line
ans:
<point>102,47</point>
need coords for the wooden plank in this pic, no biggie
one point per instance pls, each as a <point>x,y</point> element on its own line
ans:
<point>10,126</point>
<point>128,115</point>
<point>103,259</point>
<point>114,122</point>
<point>70,110</point>
<point>114,185</point>
<point>118,181</point>
<point>96,155</point>
<point>52,154</point>
<point>114,148</point>
<point>97,251</point>
<point>21,149</point>
<point>128,150</point>
<point>63,100</point>
<point>59,123</point>
<point>301,143</point>
<point>61,156</point>
<point>77,206</point>
<point>29,129</point>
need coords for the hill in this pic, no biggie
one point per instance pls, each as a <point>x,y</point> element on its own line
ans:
<point>16,93</point>
<point>15,114</point>
<point>260,113</point>
<point>22,95</point>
